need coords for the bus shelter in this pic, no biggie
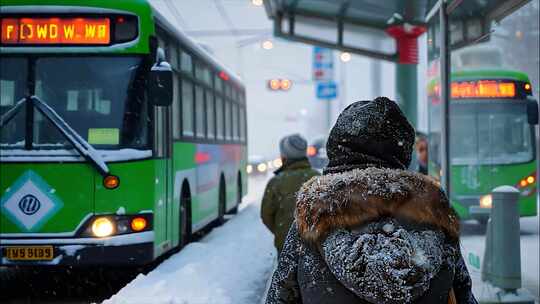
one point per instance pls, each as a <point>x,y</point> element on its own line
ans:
<point>388,30</point>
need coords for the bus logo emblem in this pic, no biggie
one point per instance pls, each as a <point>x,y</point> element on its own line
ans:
<point>29,204</point>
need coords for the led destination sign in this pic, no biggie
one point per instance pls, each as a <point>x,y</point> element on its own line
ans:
<point>47,31</point>
<point>483,89</point>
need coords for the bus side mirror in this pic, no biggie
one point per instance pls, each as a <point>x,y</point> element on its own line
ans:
<point>160,87</point>
<point>532,112</point>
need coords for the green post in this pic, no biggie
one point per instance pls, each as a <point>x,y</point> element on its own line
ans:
<point>407,90</point>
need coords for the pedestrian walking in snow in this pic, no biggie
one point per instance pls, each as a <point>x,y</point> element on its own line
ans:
<point>367,230</point>
<point>279,201</point>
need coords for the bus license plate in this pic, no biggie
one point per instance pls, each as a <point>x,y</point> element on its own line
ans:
<point>34,253</point>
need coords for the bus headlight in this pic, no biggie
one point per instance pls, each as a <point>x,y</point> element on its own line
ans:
<point>261,167</point>
<point>102,227</point>
<point>486,201</point>
<point>249,169</point>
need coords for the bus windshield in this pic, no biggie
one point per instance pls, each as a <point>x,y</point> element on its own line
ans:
<point>490,134</point>
<point>101,98</point>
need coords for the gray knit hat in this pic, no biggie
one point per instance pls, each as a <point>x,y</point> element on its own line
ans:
<point>293,147</point>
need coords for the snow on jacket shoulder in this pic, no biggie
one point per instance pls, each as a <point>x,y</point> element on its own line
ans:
<point>379,236</point>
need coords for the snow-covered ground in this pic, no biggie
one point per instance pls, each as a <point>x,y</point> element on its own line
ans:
<point>475,245</point>
<point>229,266</point>
<point>233,263</point>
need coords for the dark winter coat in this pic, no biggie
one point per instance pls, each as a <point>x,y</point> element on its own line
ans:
<point>279,201</point>
<point>382,236</point>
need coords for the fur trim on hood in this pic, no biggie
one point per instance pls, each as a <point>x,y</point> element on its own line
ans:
<point>354,198</point>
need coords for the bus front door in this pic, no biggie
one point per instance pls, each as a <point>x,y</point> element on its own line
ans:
<point>164,188</point>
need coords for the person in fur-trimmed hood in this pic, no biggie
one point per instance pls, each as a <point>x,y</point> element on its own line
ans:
<point>368,231</point>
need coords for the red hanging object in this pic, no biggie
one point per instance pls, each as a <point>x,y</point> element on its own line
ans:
<point>407,41</point>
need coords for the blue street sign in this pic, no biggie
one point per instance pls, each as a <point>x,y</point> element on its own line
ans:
<point>323,64</point>
<point>326,90</point>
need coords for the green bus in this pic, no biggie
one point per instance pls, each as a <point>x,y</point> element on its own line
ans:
<point>119,139</point>
<point>492,138</point>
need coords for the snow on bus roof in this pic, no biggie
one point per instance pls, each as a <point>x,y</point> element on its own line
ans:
<point>193,46</point>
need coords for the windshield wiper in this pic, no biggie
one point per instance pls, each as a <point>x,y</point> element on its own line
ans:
<point>80,144</point>
<point>12,112</point>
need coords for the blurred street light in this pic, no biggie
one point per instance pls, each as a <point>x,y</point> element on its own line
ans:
<point>345,57</point>
<point>257,2</point>
<point>285,84</point>
<point>267,45</point>
<point>279,84</point>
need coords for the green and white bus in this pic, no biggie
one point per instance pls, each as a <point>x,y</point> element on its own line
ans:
<point>492,134</point>
<point>119,137</point>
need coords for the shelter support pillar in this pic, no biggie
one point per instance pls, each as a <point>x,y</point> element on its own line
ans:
<point>406,36</point>
<point>407,90</point>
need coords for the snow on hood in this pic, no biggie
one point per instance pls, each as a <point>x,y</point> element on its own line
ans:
<point>385,263</point>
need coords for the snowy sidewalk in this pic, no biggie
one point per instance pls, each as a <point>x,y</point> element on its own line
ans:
<point>228,266</point>
<point>474,246</point>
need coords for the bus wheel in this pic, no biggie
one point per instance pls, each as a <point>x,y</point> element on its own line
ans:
<point>222,204</point>
<point>238,195</point>
<point>185,216</point>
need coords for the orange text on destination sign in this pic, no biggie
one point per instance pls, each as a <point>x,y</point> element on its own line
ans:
<point>55,31</point>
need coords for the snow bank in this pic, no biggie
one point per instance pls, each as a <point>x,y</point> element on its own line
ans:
<point>229,266</point>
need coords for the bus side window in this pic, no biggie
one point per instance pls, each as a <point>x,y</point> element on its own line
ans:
<point>172,56</point>
<point>242,123</point>
<point>235,121</point>
<point>210,115</point>
<point>220,122</point>
<point>186,63</point>
<point>219,84</point>
<point>228,118</point>
<point>187,108</point>
<point>199,113</point>
<point>176,106</point>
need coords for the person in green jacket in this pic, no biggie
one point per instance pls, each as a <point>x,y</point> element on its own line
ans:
<point>279,201</point>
